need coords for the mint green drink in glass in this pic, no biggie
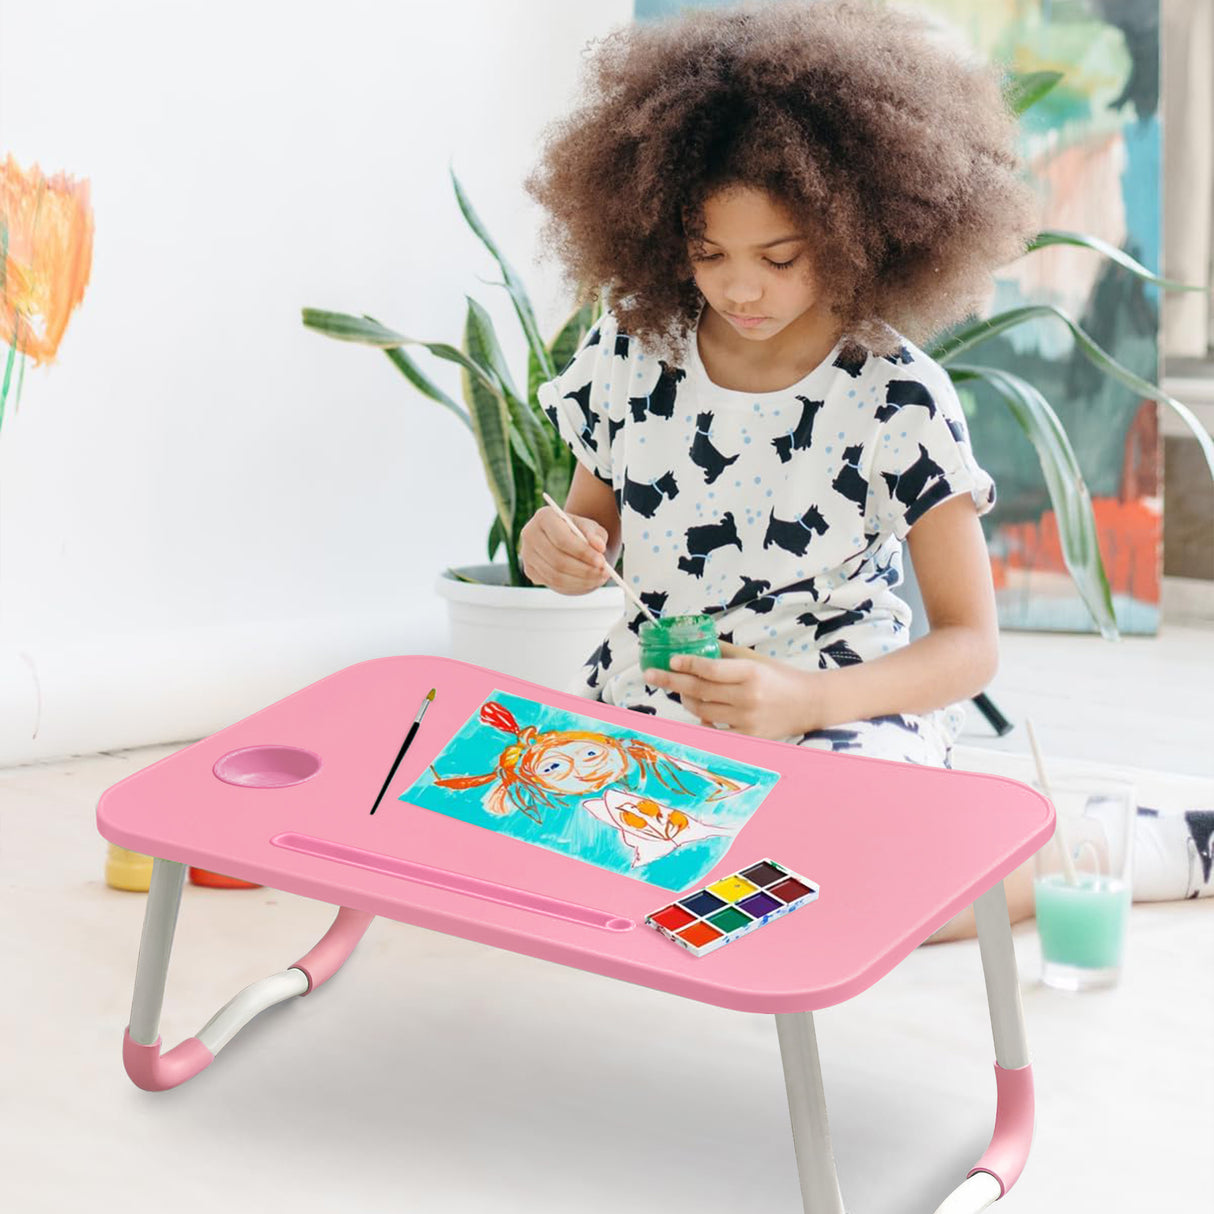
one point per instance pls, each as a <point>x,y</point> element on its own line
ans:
<point>1082,924</point>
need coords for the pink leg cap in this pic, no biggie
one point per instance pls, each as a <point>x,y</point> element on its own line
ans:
<point>153,1072</point>
<point>1004,1159</point>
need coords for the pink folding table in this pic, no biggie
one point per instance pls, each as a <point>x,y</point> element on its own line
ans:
<point>283,798</point>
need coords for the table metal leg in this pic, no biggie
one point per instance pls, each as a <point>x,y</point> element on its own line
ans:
<point>1002,979</point>
<point>155,945</point>
<point>141,1055</point>
<point>1001,1164</point>
<point>807,1110</point>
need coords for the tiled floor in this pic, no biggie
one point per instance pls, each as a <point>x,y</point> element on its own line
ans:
<point>438,1075</point>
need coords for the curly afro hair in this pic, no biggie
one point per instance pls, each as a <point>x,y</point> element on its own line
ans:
<point>895,152</point>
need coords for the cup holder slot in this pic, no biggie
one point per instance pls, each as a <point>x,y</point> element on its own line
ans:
<point>266,766</point>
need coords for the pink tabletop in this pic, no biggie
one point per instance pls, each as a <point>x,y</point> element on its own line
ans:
<point>896,849</point>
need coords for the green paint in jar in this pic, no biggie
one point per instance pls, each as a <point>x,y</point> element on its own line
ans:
<point>661,640</point>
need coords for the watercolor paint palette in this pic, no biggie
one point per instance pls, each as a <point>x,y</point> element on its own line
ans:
<point>734,906</point>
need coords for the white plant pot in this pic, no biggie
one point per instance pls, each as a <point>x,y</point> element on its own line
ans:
<point>530,632</point>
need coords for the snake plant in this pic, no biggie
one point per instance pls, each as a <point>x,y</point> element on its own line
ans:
<point>522,454</point>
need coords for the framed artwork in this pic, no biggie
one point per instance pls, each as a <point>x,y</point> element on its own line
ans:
<point>1092,146</point>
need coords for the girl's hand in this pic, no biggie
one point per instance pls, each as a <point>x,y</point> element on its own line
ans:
<point>551,555</point>
<point>745,690</point>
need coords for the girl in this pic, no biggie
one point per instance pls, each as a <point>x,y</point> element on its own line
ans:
<point>776,203</point>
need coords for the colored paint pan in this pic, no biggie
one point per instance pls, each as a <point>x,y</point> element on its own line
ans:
<point>733,906</point>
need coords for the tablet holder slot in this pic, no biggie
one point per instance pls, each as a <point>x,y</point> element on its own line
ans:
<point>459,883</point>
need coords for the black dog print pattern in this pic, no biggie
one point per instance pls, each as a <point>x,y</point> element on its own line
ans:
<point>781,514</point>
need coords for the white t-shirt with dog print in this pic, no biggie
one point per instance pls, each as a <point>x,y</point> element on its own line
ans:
<point>779,514</point>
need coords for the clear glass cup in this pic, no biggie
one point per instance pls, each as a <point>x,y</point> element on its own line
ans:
<point>1082,925</point>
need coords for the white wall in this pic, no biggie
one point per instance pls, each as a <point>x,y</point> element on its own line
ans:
<point>204,505</point>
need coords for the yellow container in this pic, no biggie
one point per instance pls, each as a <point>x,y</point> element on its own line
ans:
<point>127,869</point>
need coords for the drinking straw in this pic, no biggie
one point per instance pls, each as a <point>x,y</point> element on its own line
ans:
<point>1068,865</point>
<point>582,536</point>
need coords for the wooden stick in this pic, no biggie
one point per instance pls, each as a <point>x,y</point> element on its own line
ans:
<point>582,536</point>
<point>1068,865</point>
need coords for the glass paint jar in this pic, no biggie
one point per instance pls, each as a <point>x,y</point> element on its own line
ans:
<point>691,634</point>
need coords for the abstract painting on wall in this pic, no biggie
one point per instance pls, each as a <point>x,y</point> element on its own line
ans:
<point>1092,146</point>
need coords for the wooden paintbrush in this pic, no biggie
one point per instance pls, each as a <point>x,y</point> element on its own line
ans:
<point>582,536</point>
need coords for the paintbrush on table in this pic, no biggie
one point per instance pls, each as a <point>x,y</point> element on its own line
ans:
<point>400,754</point>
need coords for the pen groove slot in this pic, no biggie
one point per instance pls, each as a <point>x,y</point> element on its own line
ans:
<point>459,883</point>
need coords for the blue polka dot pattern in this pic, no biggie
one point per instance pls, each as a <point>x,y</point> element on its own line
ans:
<point>780,513</point>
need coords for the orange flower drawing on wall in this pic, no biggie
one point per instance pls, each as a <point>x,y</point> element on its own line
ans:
<point>46,253</point>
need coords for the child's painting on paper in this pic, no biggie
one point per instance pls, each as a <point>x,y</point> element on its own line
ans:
<point>646,807</point>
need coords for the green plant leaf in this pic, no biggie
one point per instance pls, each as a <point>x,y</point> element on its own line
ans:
<point>409,369</point>
<point>491,425</point>
<point>383,337</point>
<point>497,534</point>
<point>535,377</point>
<point>518,446</point>
<point>1023,90</point>
<point>1063,479</point>
<point>527,502</point>
<point>366,331</point>
<point>527,439</point>
<point>344,327</point>
<point>964,336</point>
<point>1080,240</point>
<point>513,284</point>
<point>560,477</point>
<point>1186,415</point>
<point>573,332</point>
<point>971,335</point>
<point>488,351</point>
<point>369,332</point>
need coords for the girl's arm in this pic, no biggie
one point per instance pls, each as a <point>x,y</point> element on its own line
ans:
<point>552,555</point>
<point>591,498</point>
<point>955,660</point>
